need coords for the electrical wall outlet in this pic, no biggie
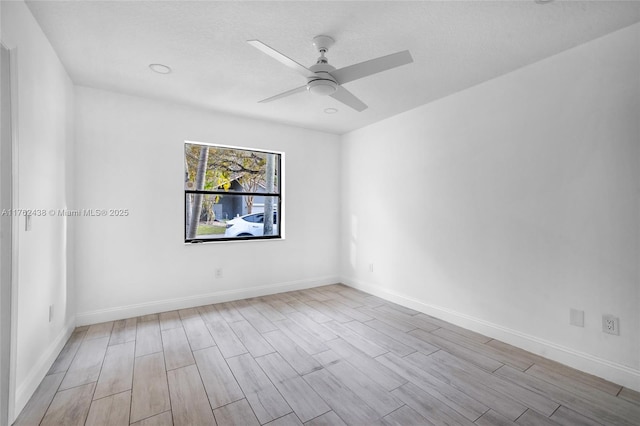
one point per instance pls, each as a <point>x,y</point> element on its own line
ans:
<point>611,324</point>
<point>371,267</point>
<point>576,317</point>
<point>218,272</point>
<point>50,313</point>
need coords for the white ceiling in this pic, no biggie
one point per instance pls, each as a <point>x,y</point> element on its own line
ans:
<point>455,45</point>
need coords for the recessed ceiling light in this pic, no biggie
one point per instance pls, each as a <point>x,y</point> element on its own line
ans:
<point>160,69</point>
<point>542,1</point>
<point>330,110</point>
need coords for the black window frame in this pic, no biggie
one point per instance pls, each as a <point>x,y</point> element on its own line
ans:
<point>279,195</point>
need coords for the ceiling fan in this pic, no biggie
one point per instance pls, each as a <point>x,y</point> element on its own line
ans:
<point>323,79</point>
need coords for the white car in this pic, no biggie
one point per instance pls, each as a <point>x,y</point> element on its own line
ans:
<point>249,225</point>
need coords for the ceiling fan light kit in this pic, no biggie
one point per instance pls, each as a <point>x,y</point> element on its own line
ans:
<point>325,80</point>
<point>322,87</point>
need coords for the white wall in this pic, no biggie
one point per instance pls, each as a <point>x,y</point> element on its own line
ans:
<point>503,206</point>
<point>130,155</point>
<point>45,108</point>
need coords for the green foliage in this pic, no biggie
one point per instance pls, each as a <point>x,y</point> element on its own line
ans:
<point>224,165</point>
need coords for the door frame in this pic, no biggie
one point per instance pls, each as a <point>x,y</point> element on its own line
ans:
<point>13,225</point>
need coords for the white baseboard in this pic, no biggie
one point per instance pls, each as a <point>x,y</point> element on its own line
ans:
<point>614,372</point>
<point>130,311</point>
<point>27,388</point>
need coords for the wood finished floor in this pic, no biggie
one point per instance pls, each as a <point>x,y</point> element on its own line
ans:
<point>325,356</point>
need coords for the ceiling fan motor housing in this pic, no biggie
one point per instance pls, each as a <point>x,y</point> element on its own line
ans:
<point>324,84</point>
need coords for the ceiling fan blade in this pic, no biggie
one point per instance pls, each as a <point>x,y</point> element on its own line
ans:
<point>284,94</point>
<point>281,58</point>
<point>373,66</point>
<point>349,99</point>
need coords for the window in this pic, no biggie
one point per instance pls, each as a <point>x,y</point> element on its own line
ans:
<point>227,192</point>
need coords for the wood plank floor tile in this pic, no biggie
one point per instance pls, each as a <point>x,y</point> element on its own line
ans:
<point>467,384</point>
<point>248,373</point>
<point>301,336</point>
<point>532,418</point>
<point>480,338</point>
<point>353,338</point>
<point>150,394</point>
<point>488,351</point>
<point>64,359</point>
<point>318,295</point>
<point>197,332</point>
<point>302,399</point>
<point>268,405</point>
<point>257,320</point>
<point>209,313</point>
<point>110,411</point>
<point>148,317</point>
<point>341,399</point>
<point>237,413</point>
<point>433,409</point>
<point>488,364</point>
<point>123,331</point>
<point>289,420</point>
<point>116,375</point>
<point>404,338</point>
<point>630,395</point>
<point>169,320</point>
<point>622,408</point>
<point>328,355</point>
<point>376,397</point>
<point>451,396</point>
<point>219,382</point>
<point>327,358</point>
<point>603,414</point>
<point>566,417</point>
<point>491,418</point>
<point>162,419</point>
<point>251,339</point>
<point>265,400</point>
<point>312,326</point>
<point>364,298</point>
<point>226,339</point>
<point>348,310</point>
<point>579,377</point>
<point>177,352</point>
<point>367,365</point>
<point>70,407</point>
<point>404,416</point>
<point>382,340</point>
<point>329,311</point>
<point>37,406</point>
<point>148,338</point>
<point>268,311</point>
<point>276,368</point>
<point>336,296</point>
<point>313,312</point>
<point>300,360</point>
<point>420,321</point>
<point>85,367</point>
<point>327,419</point>
<point>99,330</point>
<point>280,306</point>
<point>189,402</point>
<point>229,312</point>
<point>389,319</point>
<point>402,309</point>
<point>531,399</point>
